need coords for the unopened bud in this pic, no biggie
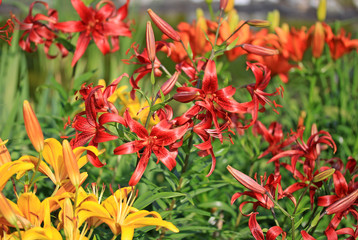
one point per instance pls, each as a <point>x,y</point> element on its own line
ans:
<point>342,204</point>
<point>323,175</point>
<point>6,210</point>
<point>149,36</point>
<point>4,153</point>
<point>223,4</point>
<point>71,164</point>
<point>258,23</point>
<point>322,10</point>
<point>229,6</point>
<point>33,127</point>
<point>169,84</point>
<point>262,51</point>
<point>274,18</point>
<point>247,181</point>
<point>164,26</point>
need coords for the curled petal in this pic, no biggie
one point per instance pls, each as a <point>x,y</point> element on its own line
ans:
<point>255,227</point>
<point>142,164</point>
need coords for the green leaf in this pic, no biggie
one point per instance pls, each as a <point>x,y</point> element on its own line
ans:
<point>142,202</point>
<point>83,78</point>
<point>220,205</point>
<point>315,220</point>
<point>232,45</point>
<point>157,107</point>
<point>298,223</point>
<point>67,44</point>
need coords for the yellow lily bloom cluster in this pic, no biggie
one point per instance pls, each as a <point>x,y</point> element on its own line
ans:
<point>69,212</point>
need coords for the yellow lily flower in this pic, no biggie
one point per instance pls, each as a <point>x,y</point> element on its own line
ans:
<point>69,222</point>
<point>117,212</point>
<point>138,110</point>
<point>53,155</point>
<point>10,168</point>
<point>36,233</point>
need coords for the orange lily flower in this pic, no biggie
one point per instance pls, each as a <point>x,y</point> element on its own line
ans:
<point>339,44</point>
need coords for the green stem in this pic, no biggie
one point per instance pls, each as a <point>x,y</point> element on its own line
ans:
<point>274,216</point>
<point>36,170</point>
<point>301,197</point>
<point>187,52</point>
<point>232,34</point>
<point>56,189</point>
<point>284,212</point>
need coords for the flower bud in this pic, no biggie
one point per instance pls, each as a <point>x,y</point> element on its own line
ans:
<point>71,164</point>
<point>7,211</point>
<point>323,175</point>
<point>342,204</point>
<point>229,6</point>
<point>274,18</point>
<point>4,153</point>
<point>164,26</point>
<point>33,127</point>
<point>247,181</point>
<point>262,51</point>
<point>149,36</point>
<point>322,10</point>
<point>169,84</point>
<point>317,39</point>
<point>258,23</point>
<point>223,4</point>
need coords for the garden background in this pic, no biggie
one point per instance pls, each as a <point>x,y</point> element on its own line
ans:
<point>320,90</point>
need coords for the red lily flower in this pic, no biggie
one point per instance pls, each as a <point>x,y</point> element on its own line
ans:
<point>101,102</point>
<point>148,65</point>
<point>308,150</point>
<point>6,31</point>
<point>306,236</point>
<point>98,24</point>
<point>257,232</point>
<point>208,94</point>
<point>259,97</point>
<point>39,29</point>
<point>344,200</point>
<point>260,192</point>
<point>88,129</point>
<point>162,134</point>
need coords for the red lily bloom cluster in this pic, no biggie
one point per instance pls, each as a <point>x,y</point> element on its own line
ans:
<point>211,115</point>
<point>39,29</point>
<point>309,173</point>
<point>100,24</point>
